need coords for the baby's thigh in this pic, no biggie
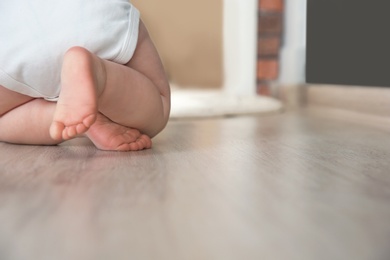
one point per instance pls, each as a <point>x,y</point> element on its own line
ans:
<point>147,61</point>
<point>10,99</point>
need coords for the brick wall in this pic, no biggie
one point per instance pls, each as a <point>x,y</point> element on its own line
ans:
<point>270,27</point>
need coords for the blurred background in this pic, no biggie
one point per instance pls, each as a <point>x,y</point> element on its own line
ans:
<point>188,35</point>
<point>190,40</point>
<point>221,54</point>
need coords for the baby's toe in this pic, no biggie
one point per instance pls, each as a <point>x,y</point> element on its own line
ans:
<point>56,130</point>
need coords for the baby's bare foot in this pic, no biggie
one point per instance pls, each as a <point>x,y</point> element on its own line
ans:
<point>76,108</point>
<point>107,135</point>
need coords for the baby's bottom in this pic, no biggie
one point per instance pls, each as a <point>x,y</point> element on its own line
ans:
<point>108,102</point>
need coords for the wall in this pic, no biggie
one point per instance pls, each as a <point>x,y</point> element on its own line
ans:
<point>188,35</point>
<point>351,48</point>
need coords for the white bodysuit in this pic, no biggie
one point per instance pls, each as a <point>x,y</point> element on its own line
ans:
<point>34,35</point>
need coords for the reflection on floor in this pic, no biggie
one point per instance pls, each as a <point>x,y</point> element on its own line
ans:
<point>195,103</point>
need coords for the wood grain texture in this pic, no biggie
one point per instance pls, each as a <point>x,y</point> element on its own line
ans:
<point>301,185</point>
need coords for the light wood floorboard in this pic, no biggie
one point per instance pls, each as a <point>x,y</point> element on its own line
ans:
<point>298,185</point>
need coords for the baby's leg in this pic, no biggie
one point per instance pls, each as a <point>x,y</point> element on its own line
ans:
<point>25,120</point>
<point>10,99</point>
<point>137,94</point>
<point>22,119</point>
<point>82,78</point>
<point>29,124</point>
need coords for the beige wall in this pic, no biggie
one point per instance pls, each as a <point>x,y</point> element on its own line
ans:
<point>188,35</point>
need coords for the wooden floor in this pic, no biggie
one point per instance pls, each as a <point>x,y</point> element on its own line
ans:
<point>299,185</point>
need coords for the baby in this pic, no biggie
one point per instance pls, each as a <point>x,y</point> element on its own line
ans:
<point>75,68</point>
